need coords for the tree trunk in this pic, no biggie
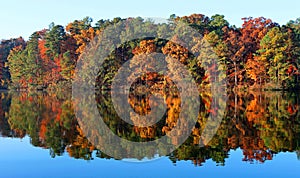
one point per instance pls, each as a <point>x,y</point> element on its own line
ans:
<point>235,105</point>
<point>235,74</point>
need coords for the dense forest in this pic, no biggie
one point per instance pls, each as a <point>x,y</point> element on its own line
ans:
<point>260,54</point>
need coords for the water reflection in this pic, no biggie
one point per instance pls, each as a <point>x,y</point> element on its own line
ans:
<point>261,124</point>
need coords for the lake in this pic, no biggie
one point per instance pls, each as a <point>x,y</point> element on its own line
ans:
<point>42,136</point>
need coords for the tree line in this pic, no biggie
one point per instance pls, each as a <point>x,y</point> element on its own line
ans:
<point>259,54</point>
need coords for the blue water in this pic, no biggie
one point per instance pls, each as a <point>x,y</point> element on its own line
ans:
<point>18,158</point>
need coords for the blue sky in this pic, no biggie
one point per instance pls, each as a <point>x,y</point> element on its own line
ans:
<point>23,17</point>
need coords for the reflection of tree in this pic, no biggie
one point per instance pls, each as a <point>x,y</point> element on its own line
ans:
<point>260,124</point>
<point>281,132</point>
<point>80,147</point>
<point>5,128</point>
<point>190,151</point>
<point>50,122</point>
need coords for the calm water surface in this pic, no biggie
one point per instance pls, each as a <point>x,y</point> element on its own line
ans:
<point>259,136</point>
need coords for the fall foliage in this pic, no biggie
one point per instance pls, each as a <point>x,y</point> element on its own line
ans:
<point>260,124</point>
<point>259,54</point>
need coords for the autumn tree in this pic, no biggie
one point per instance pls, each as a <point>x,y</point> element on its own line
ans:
<point>26,66</point>
<point>293,30</point>
<point>249,53</point>
<point>232,39</point>
<point>82,31</point>
<point>217,23</point>
<point>5,47</point>
<point>273,51</point>
<point>54,40</point>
